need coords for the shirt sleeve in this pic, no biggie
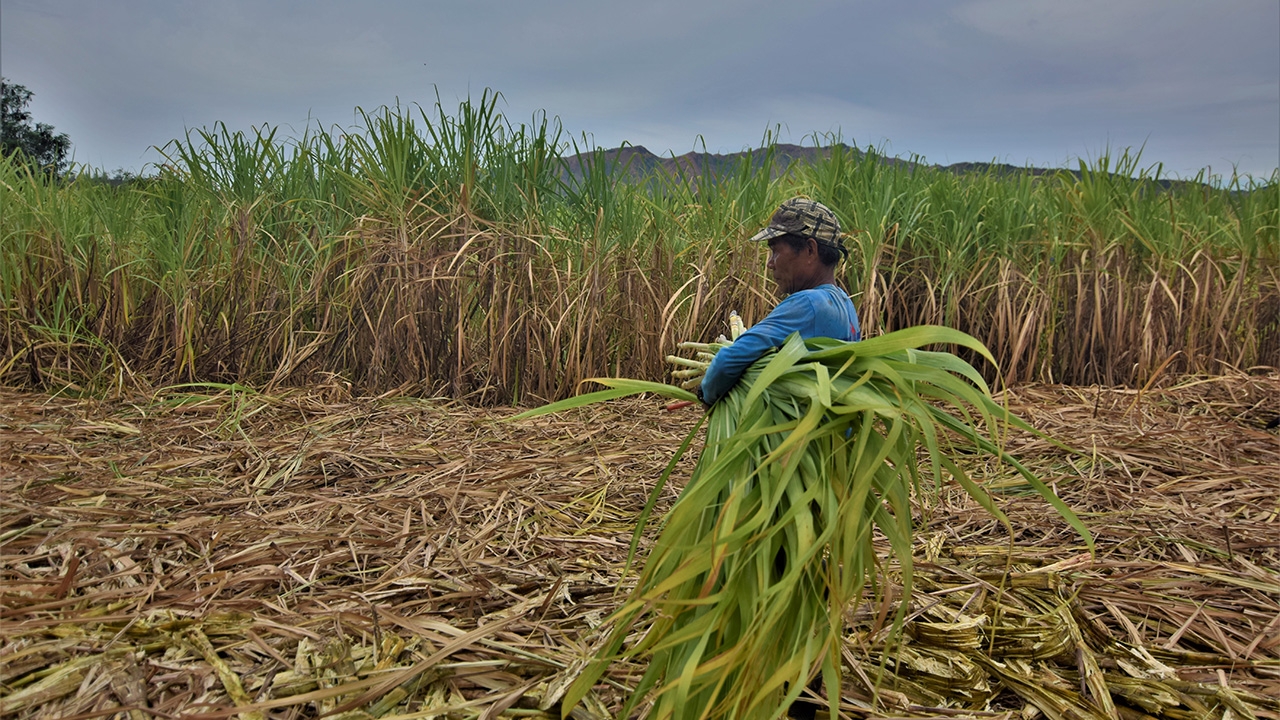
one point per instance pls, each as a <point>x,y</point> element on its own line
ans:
<point>794,314</point>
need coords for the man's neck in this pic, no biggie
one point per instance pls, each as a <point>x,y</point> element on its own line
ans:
<point>828,278</point>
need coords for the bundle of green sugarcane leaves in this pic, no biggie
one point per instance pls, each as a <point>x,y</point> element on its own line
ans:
<point>743,596</point>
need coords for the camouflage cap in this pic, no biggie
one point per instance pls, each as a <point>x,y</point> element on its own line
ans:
<point>805,218</point>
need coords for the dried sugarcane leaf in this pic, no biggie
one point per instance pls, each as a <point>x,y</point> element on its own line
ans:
<point>54,683</point>
<point>420,520</point>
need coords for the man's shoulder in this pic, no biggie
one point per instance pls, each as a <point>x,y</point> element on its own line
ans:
<point>797,301</point>
<point>813,298</point>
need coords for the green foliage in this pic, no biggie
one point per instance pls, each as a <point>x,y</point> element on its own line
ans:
<point>452,251</point>
<point>34,142</point>
<point>808,458</point>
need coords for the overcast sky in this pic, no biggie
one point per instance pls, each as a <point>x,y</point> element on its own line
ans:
<point>1028,82</point>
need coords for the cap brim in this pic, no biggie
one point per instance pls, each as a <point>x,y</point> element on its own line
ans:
<point>768,233</point>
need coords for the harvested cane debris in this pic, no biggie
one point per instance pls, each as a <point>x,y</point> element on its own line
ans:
<point>295,555</point>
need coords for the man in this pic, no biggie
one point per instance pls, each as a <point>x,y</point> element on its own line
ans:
<point>804,249</point>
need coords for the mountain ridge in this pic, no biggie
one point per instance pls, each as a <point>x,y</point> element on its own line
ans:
<point>639,163</point>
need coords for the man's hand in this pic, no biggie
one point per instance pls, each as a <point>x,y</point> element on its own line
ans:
<point>690,372</point>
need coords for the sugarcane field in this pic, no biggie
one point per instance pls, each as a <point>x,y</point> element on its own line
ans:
<point>406,424</point>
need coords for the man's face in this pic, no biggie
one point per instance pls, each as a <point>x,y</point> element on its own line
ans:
<point>788,267</point>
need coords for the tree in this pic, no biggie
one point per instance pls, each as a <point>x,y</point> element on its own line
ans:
<point>37,142</point>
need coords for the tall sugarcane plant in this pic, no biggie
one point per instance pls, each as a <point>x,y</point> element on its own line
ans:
<point>820,444</point>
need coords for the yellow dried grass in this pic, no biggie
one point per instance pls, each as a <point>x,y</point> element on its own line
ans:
<point>302,554</point>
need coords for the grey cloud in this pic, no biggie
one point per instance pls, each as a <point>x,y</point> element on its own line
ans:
<point>962,80</point>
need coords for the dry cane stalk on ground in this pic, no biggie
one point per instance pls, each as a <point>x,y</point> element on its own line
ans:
<point>300,555</point>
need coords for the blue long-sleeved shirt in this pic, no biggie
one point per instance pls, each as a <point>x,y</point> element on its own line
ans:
<point>824,311</point>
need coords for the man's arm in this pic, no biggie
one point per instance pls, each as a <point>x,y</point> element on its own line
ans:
<point>794,314</point>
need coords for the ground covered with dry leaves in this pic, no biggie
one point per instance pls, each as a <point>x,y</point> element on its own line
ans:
<point>212,553</point>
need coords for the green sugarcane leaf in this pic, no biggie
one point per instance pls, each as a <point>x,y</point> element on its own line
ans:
<point>741,597</point>
<point>976,492</point>
<point>1041,489</point>
<point>904,339</point>
<point>647,510</point>
<point>792,350</point>
<point>621,387</point>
